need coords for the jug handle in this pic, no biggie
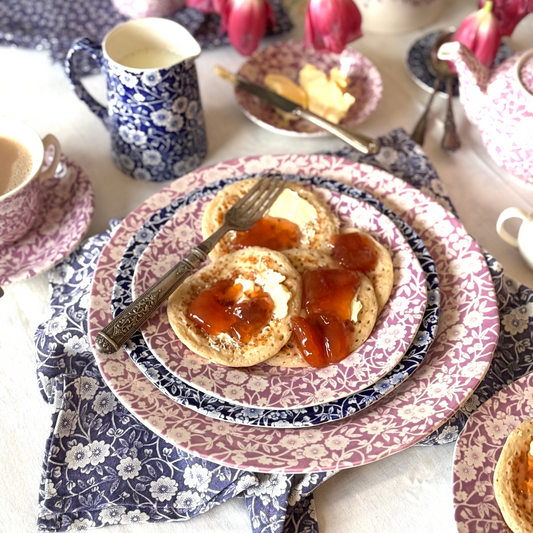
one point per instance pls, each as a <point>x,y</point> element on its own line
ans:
<point>95,51</point>
<point>511,212</point>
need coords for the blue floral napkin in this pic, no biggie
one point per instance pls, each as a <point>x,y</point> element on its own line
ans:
<point>103,467</point>
<point>55,24</point>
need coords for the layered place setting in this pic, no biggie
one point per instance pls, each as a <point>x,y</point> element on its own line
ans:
<point>206,407</point>
<point>281,286</point>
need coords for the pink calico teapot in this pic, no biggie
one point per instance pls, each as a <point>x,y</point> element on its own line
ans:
<point>500,103</point>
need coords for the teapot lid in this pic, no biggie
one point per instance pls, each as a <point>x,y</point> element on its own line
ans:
<point>525,72</point>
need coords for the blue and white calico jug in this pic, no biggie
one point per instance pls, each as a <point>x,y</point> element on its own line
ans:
<point>153,113</point>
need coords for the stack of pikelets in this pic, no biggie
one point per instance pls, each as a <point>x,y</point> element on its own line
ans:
<point>279,275</point>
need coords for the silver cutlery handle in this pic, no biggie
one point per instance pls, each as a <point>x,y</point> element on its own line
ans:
<point>122,327</point>
<point>450,140</point>
<point>419,133</point>
<point>359,141</point>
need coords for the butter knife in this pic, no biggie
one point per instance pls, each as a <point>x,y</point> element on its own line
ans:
<point>359,141</point>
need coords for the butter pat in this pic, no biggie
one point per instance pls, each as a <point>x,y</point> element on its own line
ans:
<point>326,96</point>
<point>272,283</point>
<point>356,307</point>
<point>292,207</point>
<point>287,88</point>
<point>247,286</point>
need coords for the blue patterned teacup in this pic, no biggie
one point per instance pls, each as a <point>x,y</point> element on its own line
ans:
<point>154,112</point>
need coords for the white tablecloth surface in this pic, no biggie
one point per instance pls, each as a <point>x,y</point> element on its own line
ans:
<point>408,492</point>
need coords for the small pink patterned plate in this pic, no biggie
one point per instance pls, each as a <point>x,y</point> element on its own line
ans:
<point>264,386</point>
<point>477,451</point>
<point>65,214</point>
<point>288,58</point>
<point>454,366</point>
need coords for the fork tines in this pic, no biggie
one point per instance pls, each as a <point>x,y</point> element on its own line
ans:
<point>261,196</point>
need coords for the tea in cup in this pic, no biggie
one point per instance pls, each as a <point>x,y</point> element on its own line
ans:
<point>524,242</point>
<point>154,113</point>
<point>21,157</point>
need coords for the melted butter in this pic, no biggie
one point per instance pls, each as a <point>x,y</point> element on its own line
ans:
<point>355,309</point>
<point>291,206</point>
<point>272,283</point>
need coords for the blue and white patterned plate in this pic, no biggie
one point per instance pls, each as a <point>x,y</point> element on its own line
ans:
<point>417,63</point>
<point>210,406</point>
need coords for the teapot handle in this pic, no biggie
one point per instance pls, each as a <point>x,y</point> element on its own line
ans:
<point>511,212</point>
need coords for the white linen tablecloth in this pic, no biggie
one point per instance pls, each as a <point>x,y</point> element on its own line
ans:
<point>408,492</point>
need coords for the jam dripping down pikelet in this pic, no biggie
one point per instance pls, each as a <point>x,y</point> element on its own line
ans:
<point>221,309</point>
<point>269,232</point>
<point>323,336</point>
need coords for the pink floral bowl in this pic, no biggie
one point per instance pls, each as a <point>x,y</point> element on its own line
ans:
<point>288,58</point>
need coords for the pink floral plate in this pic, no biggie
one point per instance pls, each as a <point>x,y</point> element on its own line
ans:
<point>477,451</point>
<point>288,388</point>
<point>288,58</point>
<point>65,214</point>
<point>265,386</point>
<point>454,366</point>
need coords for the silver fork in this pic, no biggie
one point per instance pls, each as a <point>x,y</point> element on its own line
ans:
<point>250,208</point>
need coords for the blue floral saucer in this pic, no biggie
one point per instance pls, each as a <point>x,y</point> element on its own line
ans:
<point>417,62</point>
<point>210,406</point>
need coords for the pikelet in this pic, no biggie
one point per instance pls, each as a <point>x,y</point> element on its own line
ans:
<point>316,232</point>
<point>254,265</point>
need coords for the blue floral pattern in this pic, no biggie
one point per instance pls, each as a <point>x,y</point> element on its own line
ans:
<point>188,395</point>
<point>55,24</point>
<point>155,117</point>
<point>103,467</point>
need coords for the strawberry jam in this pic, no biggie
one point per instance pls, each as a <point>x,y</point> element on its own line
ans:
<point>269,232</point>
<point>354,251</point>
<point>329,291</point>
<point>324,335</point>
<point>217,310</point>
<point>322,339</point>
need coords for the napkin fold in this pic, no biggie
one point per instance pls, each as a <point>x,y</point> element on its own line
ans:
<point>103,467</point>
<point>55,24</point>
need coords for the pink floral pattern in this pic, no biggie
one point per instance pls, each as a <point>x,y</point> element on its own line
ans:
<point>18,211</point>
<point>264,386</point>
<point>500,103</point>
<point>66,208</point>
<point>477,452</point>
<point>453,368</point>
<point>288,58</point>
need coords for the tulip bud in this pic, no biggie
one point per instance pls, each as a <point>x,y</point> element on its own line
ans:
<point>480,32</point>
<point>509,13</point>
<point>245,21</point>
<point>331,24</point>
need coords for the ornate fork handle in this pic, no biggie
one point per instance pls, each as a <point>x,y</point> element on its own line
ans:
<point>122,327</point>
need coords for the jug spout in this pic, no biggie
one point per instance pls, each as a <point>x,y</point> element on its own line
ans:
<point>473,78</point>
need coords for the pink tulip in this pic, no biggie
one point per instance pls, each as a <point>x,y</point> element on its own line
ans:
<point>480,32</point>
<point>245,21</point>
<point>332,24</point>
<point>205,6</point>
<point>509,13</point>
